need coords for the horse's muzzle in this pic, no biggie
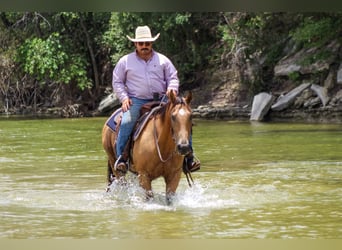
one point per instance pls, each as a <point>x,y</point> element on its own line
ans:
<point>183,148</point>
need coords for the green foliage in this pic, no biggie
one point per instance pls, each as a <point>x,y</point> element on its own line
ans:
<point>226,36</point>
<point>294,76</point>
<point>315,57</point>
<point>185,37</point>
<point>256,22</point>
<point>47,60</point>
<point>79,48</point>
<point>260,32</point>
<point>115,37</point>
<point>313,32</point>
<point>316,31</point>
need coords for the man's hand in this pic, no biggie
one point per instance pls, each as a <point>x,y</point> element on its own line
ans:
<point>168,92</point>
<point>126,104</point>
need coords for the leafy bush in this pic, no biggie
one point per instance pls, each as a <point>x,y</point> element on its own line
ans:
<point>185,37</point>
<point>47,60</point>
<point>313,32</point>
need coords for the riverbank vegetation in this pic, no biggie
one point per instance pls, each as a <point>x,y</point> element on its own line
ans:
<point>58,60</point>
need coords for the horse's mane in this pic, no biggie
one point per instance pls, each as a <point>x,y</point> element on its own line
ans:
<point>166,106</point>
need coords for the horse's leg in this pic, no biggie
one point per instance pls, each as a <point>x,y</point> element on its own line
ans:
<point>108,143</point>
<point>110,175</point>
<point>108,139</point>
<point>146,183</point>
<point>172,183</point>
<point>169,197</point>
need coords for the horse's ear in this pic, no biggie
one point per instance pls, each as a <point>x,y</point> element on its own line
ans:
<point>173,96</point>
<point>188,98</point>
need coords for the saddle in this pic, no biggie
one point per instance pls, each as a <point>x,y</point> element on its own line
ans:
<point>147,112</point>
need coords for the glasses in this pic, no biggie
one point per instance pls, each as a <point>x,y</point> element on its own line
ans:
<point>146,43</point>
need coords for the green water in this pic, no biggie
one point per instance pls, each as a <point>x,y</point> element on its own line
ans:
<point>258,180</point>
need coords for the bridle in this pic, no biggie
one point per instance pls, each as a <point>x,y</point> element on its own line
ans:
<point>179,101</point>
<point>157,144</point>
<point>187,173</point>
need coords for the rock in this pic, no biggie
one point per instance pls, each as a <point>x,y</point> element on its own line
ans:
<point>72,110</point>
<point>311,102</point>
<point>289,64</point>
<point>312,68</point>
<point>261,105</point>
<point>286,69</point>
<point>329,82</point>
<point>296,63</point>
<point>301,99</point>
<point>108,103</point>
<point>321,92</point>
<point>284,101</point>
<point>337,99</point>
<point>339,75</point>
<point>226,112</point>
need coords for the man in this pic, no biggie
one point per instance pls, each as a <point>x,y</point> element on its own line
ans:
<point>137,78</point>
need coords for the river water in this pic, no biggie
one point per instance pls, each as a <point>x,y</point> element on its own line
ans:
<point>258,180</point>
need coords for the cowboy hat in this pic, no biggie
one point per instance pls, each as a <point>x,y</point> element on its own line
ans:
<point>143,34</point>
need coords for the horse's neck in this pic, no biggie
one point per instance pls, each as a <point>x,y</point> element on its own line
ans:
<point>164,126</point>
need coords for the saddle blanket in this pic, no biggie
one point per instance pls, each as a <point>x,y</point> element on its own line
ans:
<point>115,118</point>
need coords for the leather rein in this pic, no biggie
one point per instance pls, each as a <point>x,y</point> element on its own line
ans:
<point>187,173</point>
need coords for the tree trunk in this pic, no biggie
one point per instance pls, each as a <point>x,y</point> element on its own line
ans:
<point>91,52</point>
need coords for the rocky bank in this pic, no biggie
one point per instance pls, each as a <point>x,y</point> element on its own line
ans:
<point>304,86</point>
<point>303,90</point>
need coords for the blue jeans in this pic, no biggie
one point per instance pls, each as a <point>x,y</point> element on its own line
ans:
<point>128,121</point>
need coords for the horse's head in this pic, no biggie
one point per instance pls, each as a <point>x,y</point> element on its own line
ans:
<point>181,122</point>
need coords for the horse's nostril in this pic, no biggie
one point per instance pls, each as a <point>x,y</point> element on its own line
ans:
<point>183,148</point>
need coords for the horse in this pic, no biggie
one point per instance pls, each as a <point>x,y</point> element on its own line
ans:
<point>160,148</point>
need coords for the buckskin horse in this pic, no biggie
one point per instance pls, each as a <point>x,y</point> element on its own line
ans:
<point>160,148</point>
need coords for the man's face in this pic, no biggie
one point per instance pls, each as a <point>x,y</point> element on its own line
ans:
<point>144,48</point>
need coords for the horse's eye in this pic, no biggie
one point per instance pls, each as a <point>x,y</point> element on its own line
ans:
<point>173,118</point>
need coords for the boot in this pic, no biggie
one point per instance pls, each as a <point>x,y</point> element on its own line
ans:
<point>121,165</point>
<point>189,165</point>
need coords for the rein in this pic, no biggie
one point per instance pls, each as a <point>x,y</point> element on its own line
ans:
<point>156,139</point>
<point>157,145</point>
<point>187,173</point>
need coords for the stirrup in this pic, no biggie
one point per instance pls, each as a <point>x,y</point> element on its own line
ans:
<point>187,170</point>
<point>194,166</point>
<point>120,165</point>
<point>117,162</point>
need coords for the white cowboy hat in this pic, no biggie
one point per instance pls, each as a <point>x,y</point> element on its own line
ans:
<point>143,34</point>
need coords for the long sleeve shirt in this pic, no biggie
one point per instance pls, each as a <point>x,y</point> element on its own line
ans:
<point>134,77</point>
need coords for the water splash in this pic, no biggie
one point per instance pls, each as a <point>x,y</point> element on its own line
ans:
<point>200,195</point>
